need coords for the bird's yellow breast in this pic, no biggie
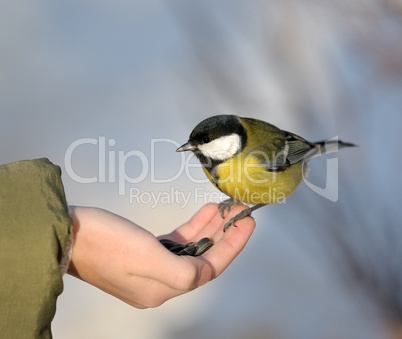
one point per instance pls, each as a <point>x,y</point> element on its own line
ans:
<point>245,178</point>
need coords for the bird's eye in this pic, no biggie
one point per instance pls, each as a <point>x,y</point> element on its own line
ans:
<point>205,140</point>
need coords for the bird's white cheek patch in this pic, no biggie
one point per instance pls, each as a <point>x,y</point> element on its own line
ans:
<point>221,148</point>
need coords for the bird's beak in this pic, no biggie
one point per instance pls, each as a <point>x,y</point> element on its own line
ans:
<point>186,147</point>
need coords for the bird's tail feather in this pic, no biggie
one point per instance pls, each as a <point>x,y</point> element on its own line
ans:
<point>330,146</point>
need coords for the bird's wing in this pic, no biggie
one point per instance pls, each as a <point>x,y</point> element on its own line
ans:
<point>298,148</point>
<point>278,156</point>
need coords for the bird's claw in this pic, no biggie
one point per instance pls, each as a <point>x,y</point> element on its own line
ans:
<point>225,206</point>
<point>239,216</point>
<point>231,222</point>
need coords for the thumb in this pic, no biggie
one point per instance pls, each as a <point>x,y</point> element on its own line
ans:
<point>190,273</point>
<point>205,275</point>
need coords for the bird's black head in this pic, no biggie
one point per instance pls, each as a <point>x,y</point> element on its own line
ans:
<point>216,139</point>
<point>216,127</point>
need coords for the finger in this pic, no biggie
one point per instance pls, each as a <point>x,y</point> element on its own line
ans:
<point>177,272</point>
<point>192,272</point>
<point>142,292</point>
<point>198,228</point>
<point>214,229</point>
<point>191,230</point>
<point>196,271</point>
<point>206,223</point>
<point>211,264</point>
<point>231,243</point>
<point>155,293</point>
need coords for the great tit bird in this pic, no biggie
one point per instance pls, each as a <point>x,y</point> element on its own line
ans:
<point>251,160</point>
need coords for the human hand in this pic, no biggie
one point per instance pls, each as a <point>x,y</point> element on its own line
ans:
<point>128,262</point>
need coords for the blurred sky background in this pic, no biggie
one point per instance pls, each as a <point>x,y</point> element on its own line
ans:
<point>135,71</point>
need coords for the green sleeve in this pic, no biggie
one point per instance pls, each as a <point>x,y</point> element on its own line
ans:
<point>34,230</point>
